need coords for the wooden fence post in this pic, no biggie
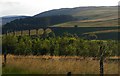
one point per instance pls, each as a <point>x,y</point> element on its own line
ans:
<point>69,74</point>
<point>5,57</point>
<point>102,47</point>
<point>101,68</point>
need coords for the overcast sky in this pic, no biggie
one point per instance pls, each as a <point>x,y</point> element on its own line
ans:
<point>32,7</point>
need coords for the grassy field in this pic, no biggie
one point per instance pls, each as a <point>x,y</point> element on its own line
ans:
<point>56,65</point>
<point>90,23</point>
<point>97,17</point>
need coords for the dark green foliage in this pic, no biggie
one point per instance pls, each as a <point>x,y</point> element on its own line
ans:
<point>24,46</point>
<point>51,34</point>
<point>36,43</point>
<point>67,44</point>
<point>92,36</point>
<point>37,22</point>
<point>80,32</point>
<point>75,25</point>
<point>9,43</point>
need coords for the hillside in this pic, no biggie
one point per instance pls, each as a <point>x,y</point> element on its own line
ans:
<point>85,12</point>
<point>35,23</point>
<point>7,19</point>
<point>69,17</point>
<point>63,11</point>
<point>87,16</point>
<point>90,23</point>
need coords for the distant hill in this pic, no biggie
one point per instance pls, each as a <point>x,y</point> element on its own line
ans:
<point>84,12</point>
<point>94,17</point>
<point>63,11</point>
<point>105,16</point>
<point>35,23</point>
<point>7,19</point>
<point>87,16</point>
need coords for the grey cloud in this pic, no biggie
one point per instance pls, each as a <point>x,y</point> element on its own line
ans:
<point>8,7</point>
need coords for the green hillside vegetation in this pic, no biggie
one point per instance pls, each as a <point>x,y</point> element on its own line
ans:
<point>90,23</point>
<point>49,44</point>
<point>7,19</point>
<point>63,41</point>
<point>33,22</point>
<point>94,17</point>
<point>103,33</point>
<point>99,12</point>
<point>84,12</point>
<point>69,17</point>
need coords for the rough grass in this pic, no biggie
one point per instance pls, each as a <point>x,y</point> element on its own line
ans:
<point>55,65</point>
<point>104,31</point>
<point>90,23</point>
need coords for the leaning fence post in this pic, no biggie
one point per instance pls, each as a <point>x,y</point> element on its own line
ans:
<point>101,68</point>
<point>69,74</point>
<point>102,47</point>
<point>5,57</point>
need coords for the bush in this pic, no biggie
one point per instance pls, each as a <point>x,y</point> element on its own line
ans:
<point>64,45</point>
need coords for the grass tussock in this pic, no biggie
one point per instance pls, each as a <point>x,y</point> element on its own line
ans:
<point>55,65</point>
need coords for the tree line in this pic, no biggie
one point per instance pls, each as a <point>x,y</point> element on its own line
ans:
<point>65,45</point>
<point>37,22</point>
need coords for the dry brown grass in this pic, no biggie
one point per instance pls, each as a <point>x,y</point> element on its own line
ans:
<point>58,65</point>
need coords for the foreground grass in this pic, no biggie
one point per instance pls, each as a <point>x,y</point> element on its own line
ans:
<point>55,65</point>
